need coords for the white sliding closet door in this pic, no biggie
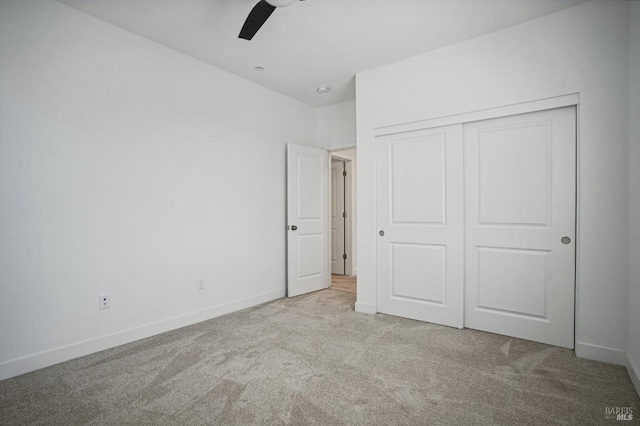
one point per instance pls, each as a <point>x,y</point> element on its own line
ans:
<point>477,225</point>
<point>520,186</point>
<point>420,224</point>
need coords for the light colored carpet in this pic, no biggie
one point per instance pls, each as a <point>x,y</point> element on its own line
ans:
<point>313,360</point>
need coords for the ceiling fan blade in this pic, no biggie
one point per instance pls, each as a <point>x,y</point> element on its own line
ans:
<point>257,17</point>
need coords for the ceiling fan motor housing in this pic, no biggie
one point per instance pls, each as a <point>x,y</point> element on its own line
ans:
<point>280,3</point>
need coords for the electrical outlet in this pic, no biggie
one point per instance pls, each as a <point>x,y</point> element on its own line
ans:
<point>201,284</point>
<point>105,301</point>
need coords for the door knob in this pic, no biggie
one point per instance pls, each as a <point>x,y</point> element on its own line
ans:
<point>381,233</point>
<point>293,227</point>
<point>565,240</point>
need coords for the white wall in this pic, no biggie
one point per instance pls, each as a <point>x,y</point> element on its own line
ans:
<point>579,50</point>
<point>130,169</point>
<point>352,156</point>
<point>633,344</point>
<point>337,126</point>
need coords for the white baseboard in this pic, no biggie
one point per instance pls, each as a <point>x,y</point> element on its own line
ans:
<point>601,353</point>
<point>365,308</point>
<point>50,357</point>
<point>612,356</point>
<point>634,374</point>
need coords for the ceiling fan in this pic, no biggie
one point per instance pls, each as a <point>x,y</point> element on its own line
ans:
<point>259,15</point>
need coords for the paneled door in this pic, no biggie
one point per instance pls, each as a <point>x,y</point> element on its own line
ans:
<point>420,225</point>
<point>520,208</point>
<point>307,219</point>
<point>337,218</point>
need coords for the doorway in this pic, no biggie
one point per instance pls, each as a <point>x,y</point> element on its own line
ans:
<point>309,214</point>
<point>343,212</point>
<point>338,217</point>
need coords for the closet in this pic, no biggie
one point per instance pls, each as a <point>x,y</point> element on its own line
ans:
<point>476,225</point>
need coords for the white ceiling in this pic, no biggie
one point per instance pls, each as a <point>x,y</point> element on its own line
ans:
<point>315,42</point>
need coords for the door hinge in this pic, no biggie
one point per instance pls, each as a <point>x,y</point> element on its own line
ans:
<point>344,256</point>
<point>344,173</point>
<point>344,214</point>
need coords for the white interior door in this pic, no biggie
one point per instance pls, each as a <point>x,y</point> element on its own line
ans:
<point>307,219</point>
<point>337,218</point>
<point>520,225</point>
<point>420,223</point>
